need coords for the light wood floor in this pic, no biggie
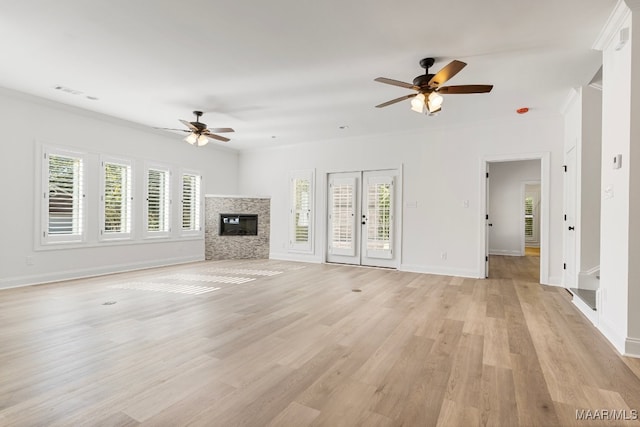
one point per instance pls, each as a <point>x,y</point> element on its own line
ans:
<point>531,251</point>
<point>296,346</point>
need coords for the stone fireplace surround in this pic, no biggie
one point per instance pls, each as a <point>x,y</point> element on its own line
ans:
<point>236,247</point>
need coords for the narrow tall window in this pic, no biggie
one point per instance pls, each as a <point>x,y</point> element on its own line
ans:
<point>116,199</point>
<point>158,201</point>
<point>190,202</point>
<point>64,197</point>
<point>301,213</point>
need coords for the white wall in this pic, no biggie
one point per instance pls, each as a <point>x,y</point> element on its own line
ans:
<point>506,204</point>
<point>441,170</point>
<point>633,301</point>
<point>590,171</point>
<point>620,230</point>
<point>27,123</point>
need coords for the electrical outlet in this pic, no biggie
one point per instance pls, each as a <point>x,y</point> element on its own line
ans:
<point>29,260</point>
<point>443,256</point>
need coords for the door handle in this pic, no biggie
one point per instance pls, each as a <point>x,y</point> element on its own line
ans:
<point>490,225</point>
<point>571,228</point>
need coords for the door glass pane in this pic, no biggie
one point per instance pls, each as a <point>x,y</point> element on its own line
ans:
<point>302,210</point>
<point>379,216</point>
<point>528,217</point>
<point>342,212</point>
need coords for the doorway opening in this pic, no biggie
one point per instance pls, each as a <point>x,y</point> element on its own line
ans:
<point>516,215</point>
<point>362,214</point>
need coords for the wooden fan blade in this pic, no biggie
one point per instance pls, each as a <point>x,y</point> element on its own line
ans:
<point>178,130</point>
<point>393,101</point>
<point>218,137</point>
<point>452,90</point>
<point>396,83</point>
<point>446,73</point>
<point>220,130</point>
<point>189,125</point>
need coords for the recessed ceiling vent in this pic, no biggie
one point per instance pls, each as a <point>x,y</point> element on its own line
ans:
<point>68,90</point>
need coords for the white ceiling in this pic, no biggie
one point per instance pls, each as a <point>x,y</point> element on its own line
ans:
<point>297,70</point>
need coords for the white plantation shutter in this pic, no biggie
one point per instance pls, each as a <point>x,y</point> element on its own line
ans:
<point>191,202</point>
<point>301,211</point>
<point>64,197</point>
<point>158,201</point>
<point>342,215</point>
<point>116,199</point>
<point>379,213</point>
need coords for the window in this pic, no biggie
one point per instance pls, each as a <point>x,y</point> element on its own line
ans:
<point>528,217</point>
<point>301,212</point>
<point>116,199</point>
<point>191,203</point>
<point>64,199</point>
<point>158,202</point>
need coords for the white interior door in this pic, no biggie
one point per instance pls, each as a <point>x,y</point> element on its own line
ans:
<point>487,224</point>
<point>570,219</point>
<point>361,218</point>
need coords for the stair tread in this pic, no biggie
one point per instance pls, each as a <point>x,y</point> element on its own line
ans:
<point>588,296</point>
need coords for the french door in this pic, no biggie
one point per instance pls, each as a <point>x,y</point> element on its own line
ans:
<point>361,218</point>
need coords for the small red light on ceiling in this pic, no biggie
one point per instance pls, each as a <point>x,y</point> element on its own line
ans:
<point>522,110</point>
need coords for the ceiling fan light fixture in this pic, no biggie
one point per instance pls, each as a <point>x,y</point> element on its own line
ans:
<point>202,140</point>
<point>191,138</point>
<point>417,103</point>
<point>434,102</point>
<point>434,112</point>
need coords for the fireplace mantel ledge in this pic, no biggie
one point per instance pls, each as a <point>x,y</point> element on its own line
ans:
<point>235,196</point>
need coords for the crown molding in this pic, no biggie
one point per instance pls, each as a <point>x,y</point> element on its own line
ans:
<point>571,98</point>
<point>634,5</point>
<point>614,23</point>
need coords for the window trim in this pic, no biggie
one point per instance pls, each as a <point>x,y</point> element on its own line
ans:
<point>111,236</point>
<point>47,239</point>
<point>309,245</point>
<point>199,212</point>
<point>168,204</point>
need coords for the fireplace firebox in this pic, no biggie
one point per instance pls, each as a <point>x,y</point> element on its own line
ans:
<point>238,225</point>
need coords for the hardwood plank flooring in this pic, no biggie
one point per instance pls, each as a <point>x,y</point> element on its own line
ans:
<point>296,346</point>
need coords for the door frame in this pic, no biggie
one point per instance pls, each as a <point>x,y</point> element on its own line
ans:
<point>398,213</point>
<point>545,191</point>
<point>570,206</point>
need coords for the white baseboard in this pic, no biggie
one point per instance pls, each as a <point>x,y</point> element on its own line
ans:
<point>554,281</point>
<point>440,271</point>
<point>15,282</point>
<point>632,347</point>
<point>293,256</point>
<point>590,314</point>
<point>610,333</point>
<point>505,252</point>
<point>588,281</point>
<point>591,271</point>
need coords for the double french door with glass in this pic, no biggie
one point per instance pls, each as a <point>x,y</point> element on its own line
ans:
<point>361,218</point>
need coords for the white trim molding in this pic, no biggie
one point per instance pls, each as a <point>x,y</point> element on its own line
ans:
<point>632,347</point>
<point>614,23</point>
